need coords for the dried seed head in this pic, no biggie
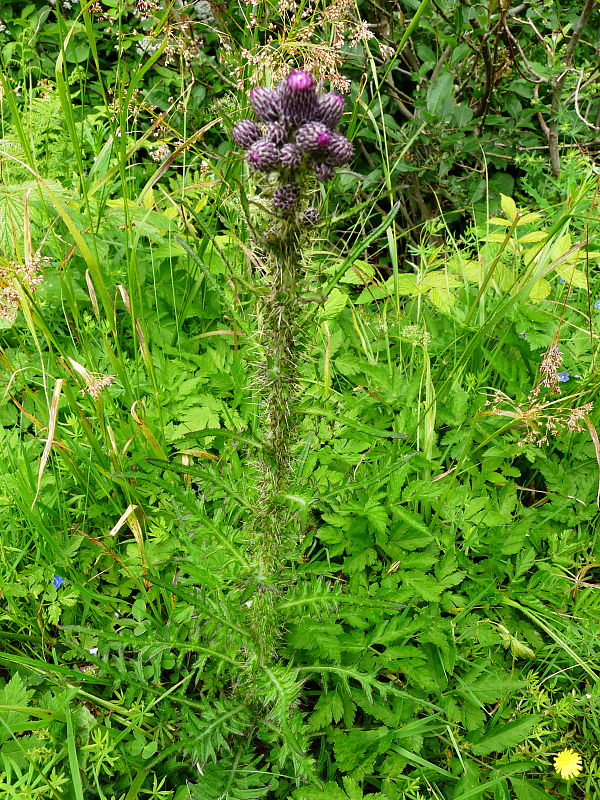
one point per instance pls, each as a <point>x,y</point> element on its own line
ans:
<point>329,109</point>
<point>313,136</point>
<point>245,133</point>
<point>266,103</point>
<point>286,197</point>
<point>291,156</point>
<point>263,155</point>
<point>339,150</point>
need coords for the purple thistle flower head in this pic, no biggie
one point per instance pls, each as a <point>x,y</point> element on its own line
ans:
<point>276,132</point>
<point>300,81</point>
<point>323,172</point>
<point>291,156</point>
<point>310,217</point>
<point>313,136</point>
<point>263,155</point>
<point>295,131</point>
<point>245,133</point>
<point>298,96</point>
<point>340,150</point>
<point>266,103</point>
<point>286,197</point>
<point>329,109</point>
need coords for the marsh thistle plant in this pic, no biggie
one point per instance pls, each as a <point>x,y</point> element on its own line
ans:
<point>291,146</point>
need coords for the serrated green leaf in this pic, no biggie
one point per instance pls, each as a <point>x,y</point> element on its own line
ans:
<point>505,736</point>
<point>378,517</point>
<point>360,272</point>
<point>335,304</point>
<point>534,236</point>
<point>540,290</point>
<point>491,688</point>
<point>438,280</point>
<point>414,522</point>
<point>525,789</point>
<point>425,586</point>
<point>531,216</point>
<point>407,284</point>
<point>12,696</point>
<point>571,275</point>
<point>442,299</point>
<point>509,207</point>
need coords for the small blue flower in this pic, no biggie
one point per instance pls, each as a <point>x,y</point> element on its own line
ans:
<point>597,304</point>
<point>57,581</point>
<point>562,280</point>
<point>562,376</point>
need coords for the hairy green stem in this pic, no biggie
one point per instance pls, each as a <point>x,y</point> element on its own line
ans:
<point>278,371</point>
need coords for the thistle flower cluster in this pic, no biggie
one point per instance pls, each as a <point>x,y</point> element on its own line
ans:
<point>295,135</point>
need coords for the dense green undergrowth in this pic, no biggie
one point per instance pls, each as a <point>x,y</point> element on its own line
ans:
<point>438,598</point>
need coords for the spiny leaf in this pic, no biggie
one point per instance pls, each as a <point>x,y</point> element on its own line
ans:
<point>505,736</point>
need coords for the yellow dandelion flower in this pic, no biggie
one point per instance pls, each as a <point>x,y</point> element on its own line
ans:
<point>568,764</point>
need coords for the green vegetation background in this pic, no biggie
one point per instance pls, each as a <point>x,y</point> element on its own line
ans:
<point>439,602</point>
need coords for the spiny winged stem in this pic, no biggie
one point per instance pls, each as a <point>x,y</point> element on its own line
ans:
<point>293,142</point>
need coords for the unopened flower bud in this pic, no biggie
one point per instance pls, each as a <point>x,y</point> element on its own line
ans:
<point>245,133</point>
<point>300,81</point>
<point>339,150</point>
<point>263,155</point>
<point>266,103</point>
<point>329,109</point>
<point>286,197</point>
<point>313,136</point>
<point>298,96</point>
<point>276,132</point>
<point>323,172</point>
<point>291,156</point>
<point>309,217</point>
